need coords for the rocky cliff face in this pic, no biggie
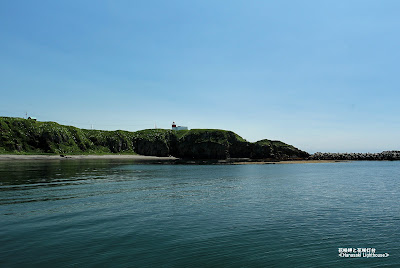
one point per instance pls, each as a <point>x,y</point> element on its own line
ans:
<point>222,144</point>
<point>277,150</point>
<point>155,142</point>
<point>28,136</point>
<point>207,144</point>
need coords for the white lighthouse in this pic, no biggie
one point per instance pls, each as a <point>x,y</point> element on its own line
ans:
<point>175,127</point>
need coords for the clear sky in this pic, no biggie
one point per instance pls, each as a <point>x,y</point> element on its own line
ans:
<point>321,75</point>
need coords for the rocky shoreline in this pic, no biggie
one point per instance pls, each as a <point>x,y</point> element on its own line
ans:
<point>142,159</point>
<point>313,159</point>
<point>138,158</point>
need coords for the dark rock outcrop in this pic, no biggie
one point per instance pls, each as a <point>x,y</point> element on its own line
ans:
<point>210,144</point>
<point>276,150</point>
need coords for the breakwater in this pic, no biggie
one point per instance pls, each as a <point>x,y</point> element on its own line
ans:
<point>385,155</point>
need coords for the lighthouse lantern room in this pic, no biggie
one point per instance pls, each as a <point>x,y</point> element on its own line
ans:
<point>175,127</point>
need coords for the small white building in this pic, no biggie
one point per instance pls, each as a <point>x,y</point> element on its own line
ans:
<point>175,127</point>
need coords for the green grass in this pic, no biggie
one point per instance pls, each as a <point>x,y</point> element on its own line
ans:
<point>180,133</point>
<point>213,135</point>
<point>22,136</point>
<point>276,144</point>
<point>153,134</point>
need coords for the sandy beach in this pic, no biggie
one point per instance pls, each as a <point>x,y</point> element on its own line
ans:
<point>11,157</point>
<point>289,162</point>
<point>144,158</point>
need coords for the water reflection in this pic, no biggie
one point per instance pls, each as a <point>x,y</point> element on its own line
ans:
<point>40,181</point>
<point>113,213</point>
<point>35,173</point>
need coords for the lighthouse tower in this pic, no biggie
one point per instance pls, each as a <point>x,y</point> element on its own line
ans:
<point>175,127</point>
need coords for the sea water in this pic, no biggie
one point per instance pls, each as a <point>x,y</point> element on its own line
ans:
<point>126,214</point>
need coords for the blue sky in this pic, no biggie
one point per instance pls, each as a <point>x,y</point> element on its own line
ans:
<point>321,75</point>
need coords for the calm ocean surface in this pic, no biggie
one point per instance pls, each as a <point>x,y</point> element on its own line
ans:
<point>122,214</point>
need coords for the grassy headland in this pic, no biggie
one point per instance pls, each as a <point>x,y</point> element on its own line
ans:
<point>24,136</point>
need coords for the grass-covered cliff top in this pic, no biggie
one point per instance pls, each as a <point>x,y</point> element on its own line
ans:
<point>275,144</point>
<point>25,136</point>
<point>19,135</point>
<point>216,135</point>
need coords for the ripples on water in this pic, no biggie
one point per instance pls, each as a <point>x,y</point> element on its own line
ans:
<point>122,214</point>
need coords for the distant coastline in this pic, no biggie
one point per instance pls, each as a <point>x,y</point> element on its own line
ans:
<point>28,139</point>
<point>31,137</point>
